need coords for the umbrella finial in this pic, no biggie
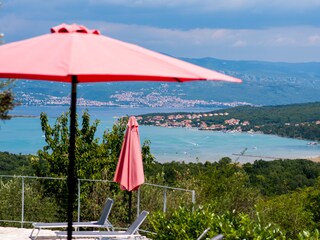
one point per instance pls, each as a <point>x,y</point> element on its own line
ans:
<point>132,122</point>
<point>65,28</point>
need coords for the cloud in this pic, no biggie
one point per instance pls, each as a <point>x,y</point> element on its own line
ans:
<point>182,14</point>
<point>273,44</point>
<point>294,44</point>
<point>21,28</point>
<point>178,5</point>
<point>160,38</point>
<point>240,43</point>
<point>216,5</point>
<point>314,40</point>
<point>232,35</point>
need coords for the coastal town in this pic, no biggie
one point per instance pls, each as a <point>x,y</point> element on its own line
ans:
<point>124,99</point>
<point>32,93</point>
<point>194,120</point>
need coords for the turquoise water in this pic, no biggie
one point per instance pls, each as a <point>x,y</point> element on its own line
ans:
<point>24,135</point>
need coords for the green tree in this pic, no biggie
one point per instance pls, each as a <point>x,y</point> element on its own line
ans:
<point>52,160</point>
<point>6,99</point>
<point>6,95</point>
<point>92,158</point>
<point>312,201</point>
<point>282,176</point>
<point>289,211</point>
<point>228,187</point>
<point>15,164</point>
<point>95,158</point>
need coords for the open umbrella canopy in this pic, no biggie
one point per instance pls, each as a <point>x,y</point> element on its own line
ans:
<point>75,54</point>
<point>73,50</point>
<point>129,173</point>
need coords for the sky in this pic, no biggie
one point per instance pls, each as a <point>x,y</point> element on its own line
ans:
<point>264,30</point>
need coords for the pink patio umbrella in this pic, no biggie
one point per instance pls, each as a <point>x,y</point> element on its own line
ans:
<point>129,173</point>
<point>75,54</point>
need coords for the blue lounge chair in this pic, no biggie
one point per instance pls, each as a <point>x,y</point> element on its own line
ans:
<point>218,237</point>
<point>131,232</point>
<point>103,222</point>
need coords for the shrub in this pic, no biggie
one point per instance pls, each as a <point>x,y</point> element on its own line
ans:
<point>185,224</point>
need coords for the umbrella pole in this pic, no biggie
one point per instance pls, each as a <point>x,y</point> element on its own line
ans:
<point>71,169</point>
<point>130,206</point>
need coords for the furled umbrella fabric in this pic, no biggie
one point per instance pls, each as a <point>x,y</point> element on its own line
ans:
<point>75,54</point>
<point>129,173</point>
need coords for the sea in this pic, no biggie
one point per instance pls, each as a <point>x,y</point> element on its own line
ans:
<point>23,135</point>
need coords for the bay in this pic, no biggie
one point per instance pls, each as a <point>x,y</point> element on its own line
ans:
<point>23,135</point>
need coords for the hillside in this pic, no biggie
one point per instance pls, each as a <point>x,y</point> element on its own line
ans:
<point>281,114</point>
<point>264,83</point>
<point>295,120</point>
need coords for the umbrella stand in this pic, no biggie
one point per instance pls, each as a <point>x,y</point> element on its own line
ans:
<point>71,180</point>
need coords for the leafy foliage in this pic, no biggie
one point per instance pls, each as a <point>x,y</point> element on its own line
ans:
<point>95,159</point>
<point>222,183</point>
<point>229,200</point>
<point>185,224</point>
<point>36,206</point>
<point>53,159</point>
<point>288,211</point>
<point>282,176</point>
<point>281,114</point>
<point>15,164</point>
<point>232,194</point>
<point>6,99</point>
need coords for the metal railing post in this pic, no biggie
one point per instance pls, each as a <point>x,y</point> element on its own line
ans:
<point>79,199</point>
<point>22,202</point>
<point>193,199</point>
<point>138,202</point>
<point>165,200</point>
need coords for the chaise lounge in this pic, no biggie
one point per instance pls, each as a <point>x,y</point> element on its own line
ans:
<point>103,222</point>
<point>131,232</point>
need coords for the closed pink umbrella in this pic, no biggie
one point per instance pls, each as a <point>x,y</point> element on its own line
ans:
<point>129,173</point>
<point>75,54</point>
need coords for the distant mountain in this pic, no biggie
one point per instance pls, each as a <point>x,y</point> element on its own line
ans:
<point>264,83</point>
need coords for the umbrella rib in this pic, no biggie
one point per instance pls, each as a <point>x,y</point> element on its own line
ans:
<point>178,79</point>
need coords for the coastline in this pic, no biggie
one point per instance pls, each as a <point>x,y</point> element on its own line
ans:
<point>314,159</point>
<point>24,135</point>
<point>23,116</point>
